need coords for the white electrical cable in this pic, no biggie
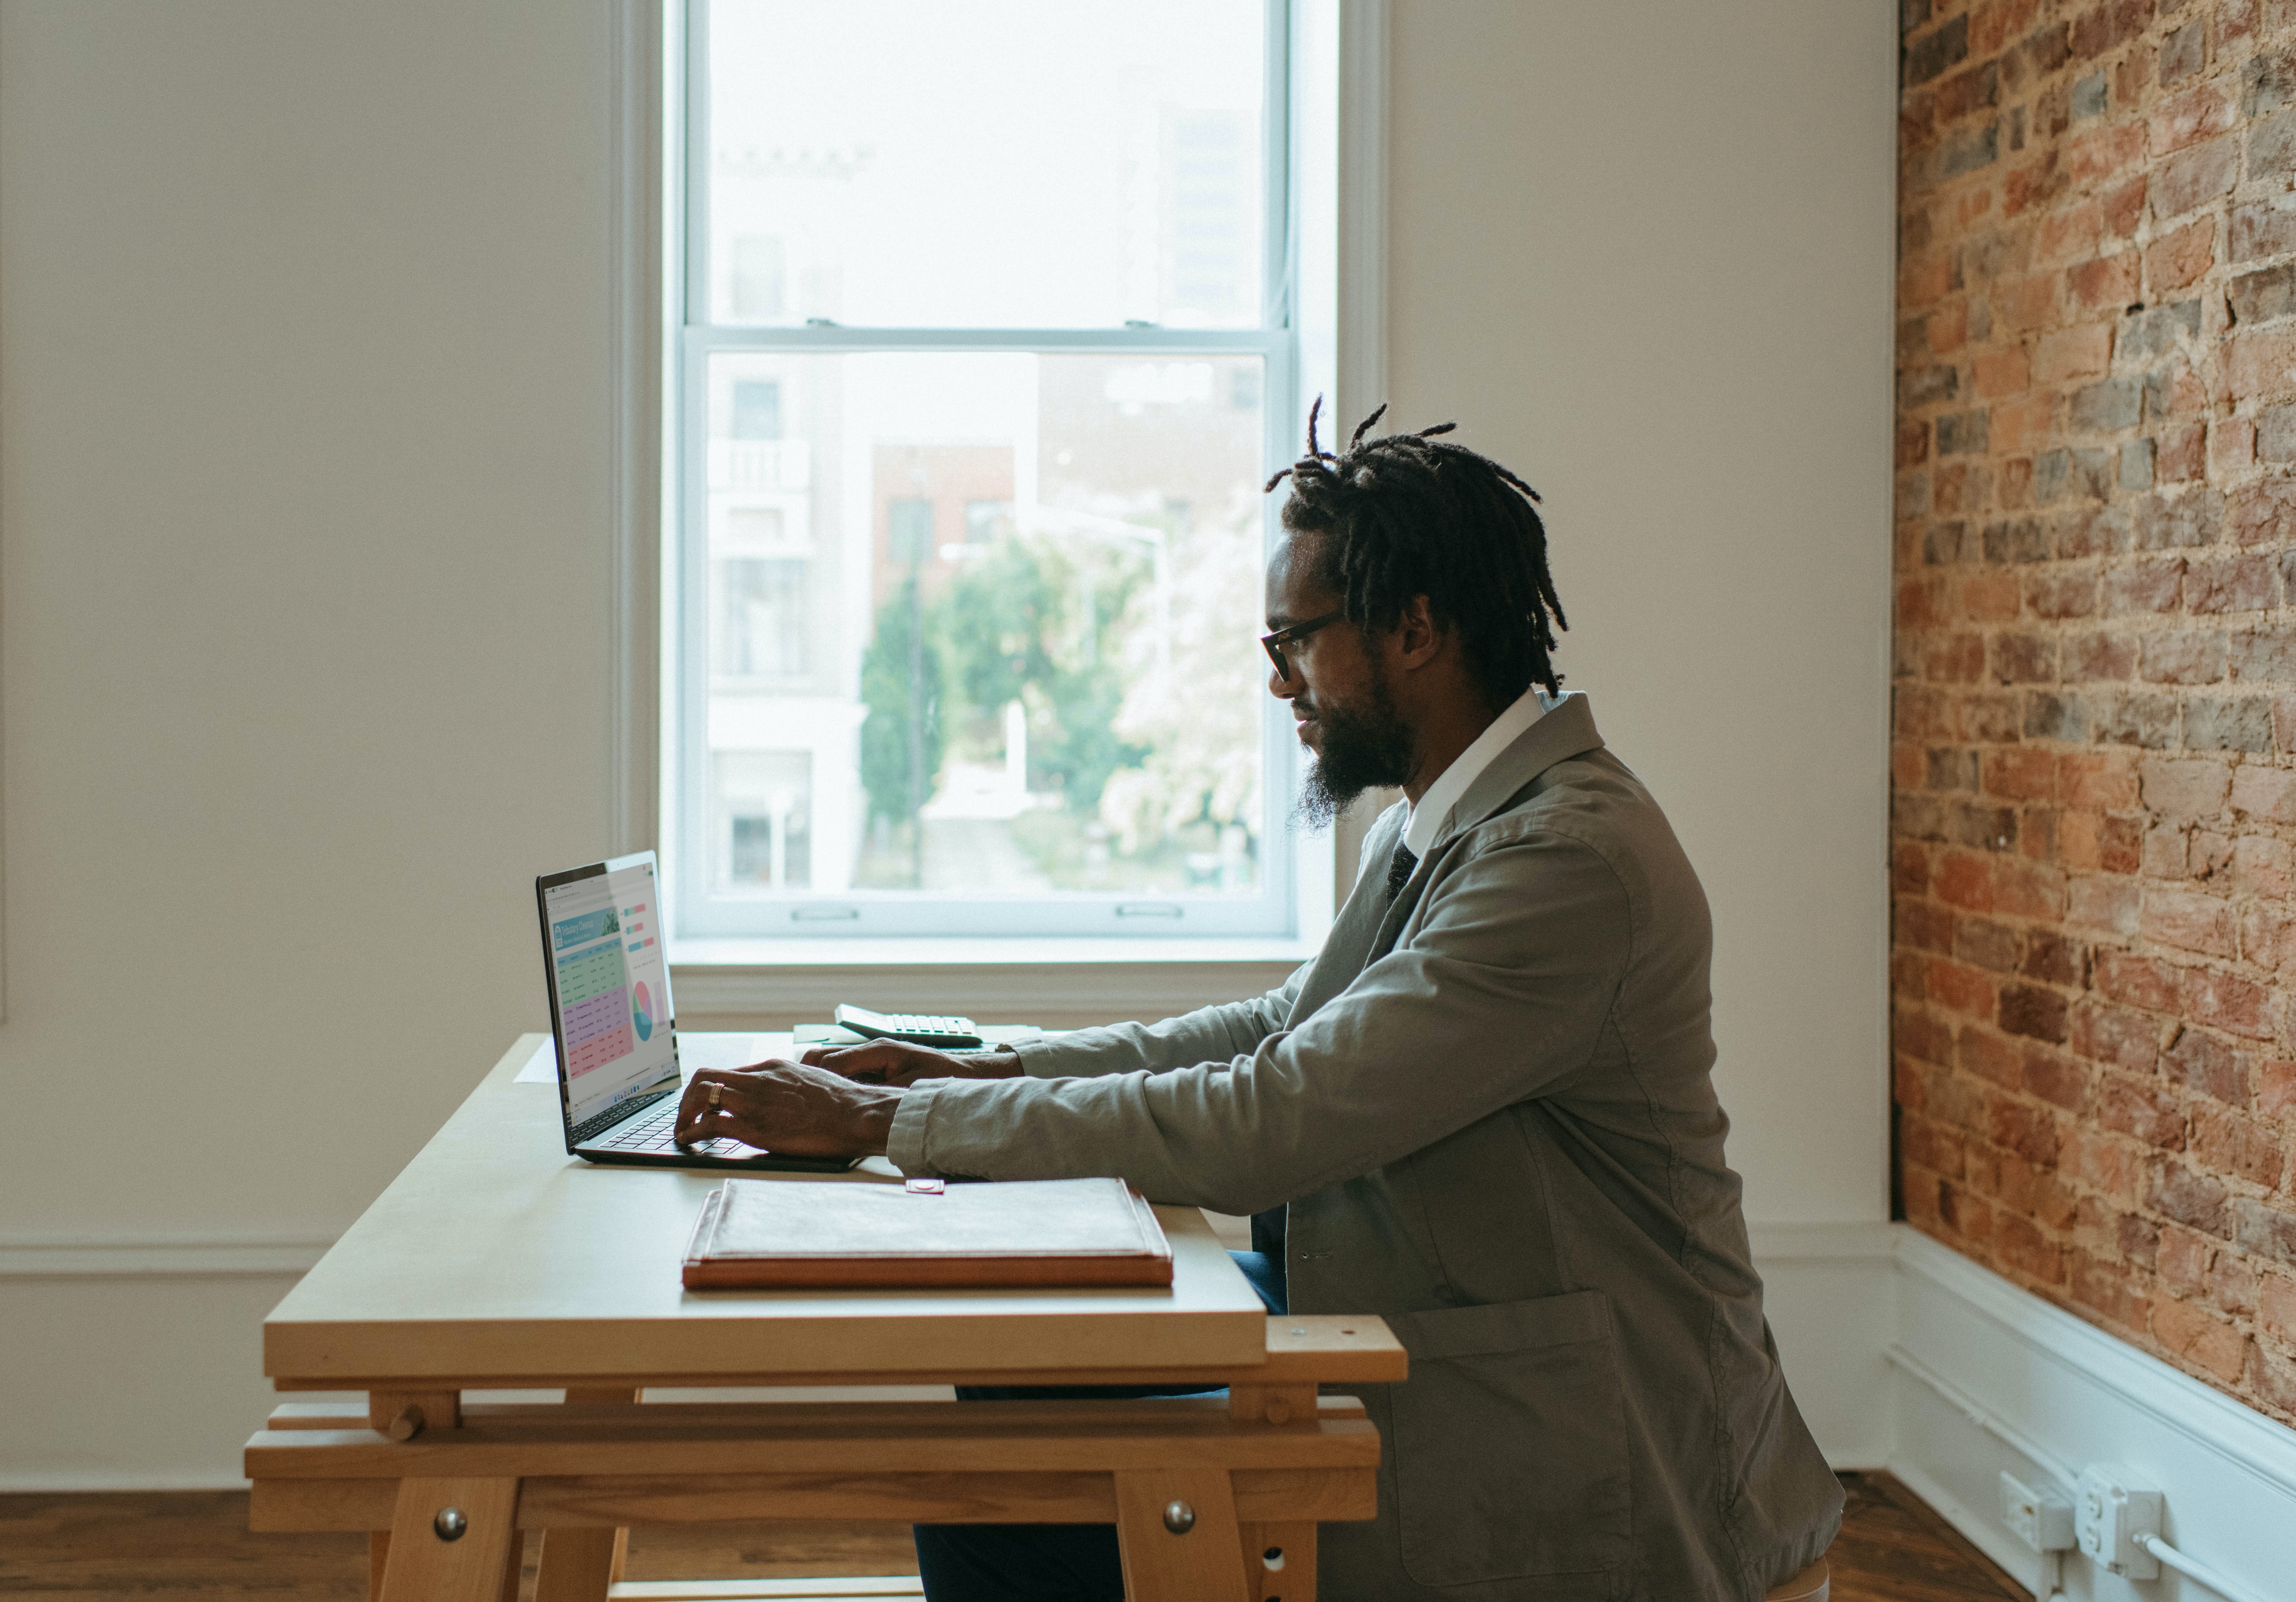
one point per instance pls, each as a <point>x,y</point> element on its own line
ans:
<point>2192,1569</point>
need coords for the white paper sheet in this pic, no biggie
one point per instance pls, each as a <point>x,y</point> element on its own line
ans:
<point>542,1067</point>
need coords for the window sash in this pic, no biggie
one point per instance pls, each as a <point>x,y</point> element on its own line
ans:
<point>703,912</point>
<point>1280,129</point>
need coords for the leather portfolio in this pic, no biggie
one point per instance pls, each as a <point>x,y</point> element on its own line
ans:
<point>780,1233</point>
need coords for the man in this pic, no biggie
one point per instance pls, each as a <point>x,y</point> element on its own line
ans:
<point>1483,1112</point>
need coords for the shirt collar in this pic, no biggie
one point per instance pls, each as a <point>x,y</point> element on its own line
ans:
<point>1423,827</point>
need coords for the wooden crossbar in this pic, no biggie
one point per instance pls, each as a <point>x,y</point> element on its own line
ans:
<point>606,1502</point>
<point>772,1437</point>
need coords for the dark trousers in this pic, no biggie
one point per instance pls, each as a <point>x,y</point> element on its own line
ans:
<point>1051,1562</point>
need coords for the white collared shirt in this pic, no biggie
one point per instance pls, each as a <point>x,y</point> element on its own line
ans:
<point>1424,828</point>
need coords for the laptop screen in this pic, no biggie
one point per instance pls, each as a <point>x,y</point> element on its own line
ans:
<point>613,986</point>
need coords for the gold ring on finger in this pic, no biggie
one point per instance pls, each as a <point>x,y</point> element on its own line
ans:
<point>715,1093</point>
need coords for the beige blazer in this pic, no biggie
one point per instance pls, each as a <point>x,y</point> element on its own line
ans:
<point>1487,1109</point>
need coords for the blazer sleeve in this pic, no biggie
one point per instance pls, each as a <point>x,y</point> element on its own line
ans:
<point>1210,1034</point>
<point>1501,992</point>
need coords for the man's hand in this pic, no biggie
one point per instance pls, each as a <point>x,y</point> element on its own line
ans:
<point>783,1106</point>
<point>899,1062</point>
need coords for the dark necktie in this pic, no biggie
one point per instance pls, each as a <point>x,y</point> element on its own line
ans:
<point>1398,869</point>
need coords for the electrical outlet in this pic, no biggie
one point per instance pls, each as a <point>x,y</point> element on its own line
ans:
<point>2040,1517</point>
<point>2111,1514</point>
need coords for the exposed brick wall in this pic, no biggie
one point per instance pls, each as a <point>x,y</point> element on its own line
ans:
<point>2093,772</point>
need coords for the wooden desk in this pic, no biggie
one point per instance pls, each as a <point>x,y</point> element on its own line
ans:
<point>497,1262</point>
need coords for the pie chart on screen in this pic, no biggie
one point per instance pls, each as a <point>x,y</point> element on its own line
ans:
<point>642,1006</point>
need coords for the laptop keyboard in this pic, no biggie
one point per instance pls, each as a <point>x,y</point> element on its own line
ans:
<point>653,1133</point>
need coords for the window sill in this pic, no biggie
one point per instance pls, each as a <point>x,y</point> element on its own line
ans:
<point>1060,983</point>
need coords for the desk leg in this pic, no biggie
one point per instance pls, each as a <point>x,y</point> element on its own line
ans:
<point>1204,1563</point>
<point>403,1415</point>
<point>1295,1544</point>
<point>1292,1576</point>
<point>424,1568</point>
<point>514,1570</point>
<point>579,1565</point>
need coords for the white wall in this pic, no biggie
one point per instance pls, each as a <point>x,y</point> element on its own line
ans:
<point>303,553</point>
<point>1643,253</point>
<point>304,580</point>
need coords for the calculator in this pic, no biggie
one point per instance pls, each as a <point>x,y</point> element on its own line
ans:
<point>919,1029</point>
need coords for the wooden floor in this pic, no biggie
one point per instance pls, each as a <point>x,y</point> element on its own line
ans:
<point>195,1544</point>
<point>1893,1548</point>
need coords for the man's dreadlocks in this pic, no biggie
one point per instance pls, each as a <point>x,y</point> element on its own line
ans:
<point>1404,515</point>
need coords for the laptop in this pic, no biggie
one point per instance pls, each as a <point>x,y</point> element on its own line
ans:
<point>617,1034</point>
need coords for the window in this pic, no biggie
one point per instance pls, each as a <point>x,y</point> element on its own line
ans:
<point>757,409</point>
<point>760,628</point>
<point>768,810</point>
<point>985,353</point>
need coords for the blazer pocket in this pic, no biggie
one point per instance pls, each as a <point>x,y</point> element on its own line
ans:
<point>1510,1441</point>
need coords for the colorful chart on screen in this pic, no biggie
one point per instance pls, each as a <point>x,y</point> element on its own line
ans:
<point>593,990</point>
<point>614,1009</point>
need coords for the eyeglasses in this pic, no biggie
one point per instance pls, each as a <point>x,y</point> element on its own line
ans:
<point>1274,642</point>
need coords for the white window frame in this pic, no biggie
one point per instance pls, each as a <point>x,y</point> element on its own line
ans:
<point>1332,342</point>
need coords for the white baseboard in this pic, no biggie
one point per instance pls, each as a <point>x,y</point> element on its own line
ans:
<point>90,1481</point>
<point>2014,1383</point>
<point>1986,1535</point>
<point>86,1258</point>
<point>150,1379</point>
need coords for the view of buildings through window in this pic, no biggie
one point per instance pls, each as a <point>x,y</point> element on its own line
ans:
<point>981,618</point>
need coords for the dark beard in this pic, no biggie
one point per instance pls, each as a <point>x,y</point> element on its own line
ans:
<point>1363,747</point>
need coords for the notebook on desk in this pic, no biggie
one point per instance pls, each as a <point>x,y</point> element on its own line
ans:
<point>757,1235</point>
